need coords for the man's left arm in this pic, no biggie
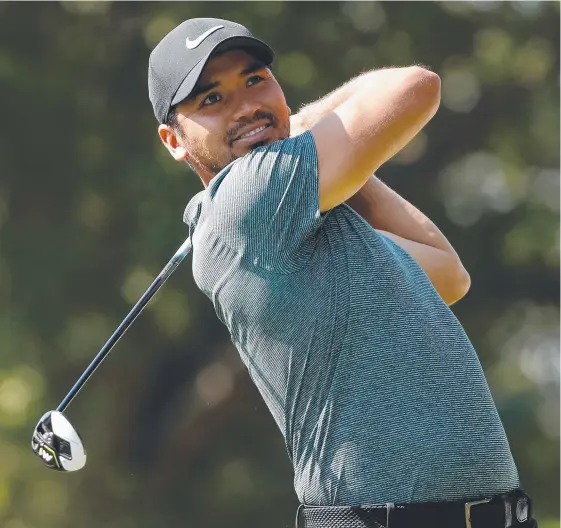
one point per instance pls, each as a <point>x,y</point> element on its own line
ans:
<point>399,220</point>
<point>396,218</point>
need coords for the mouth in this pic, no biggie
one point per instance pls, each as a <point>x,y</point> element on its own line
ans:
<point>253,135</point>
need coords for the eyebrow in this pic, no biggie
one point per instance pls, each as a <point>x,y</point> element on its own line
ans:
<point>204,88</point>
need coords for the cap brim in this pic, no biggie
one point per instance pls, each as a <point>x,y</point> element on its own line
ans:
<point>254,46</point>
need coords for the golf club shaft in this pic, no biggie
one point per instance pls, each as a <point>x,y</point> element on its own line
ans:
<point>122,328</point>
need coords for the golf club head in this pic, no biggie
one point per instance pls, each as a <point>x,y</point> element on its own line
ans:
<point>57,444</point>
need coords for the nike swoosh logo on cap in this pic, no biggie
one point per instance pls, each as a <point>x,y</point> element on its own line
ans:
<point>192,44</point>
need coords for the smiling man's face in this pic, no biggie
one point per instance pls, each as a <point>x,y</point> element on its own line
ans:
<point>236,106</point>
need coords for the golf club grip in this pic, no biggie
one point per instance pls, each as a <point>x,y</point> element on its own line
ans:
<point>127,321</point>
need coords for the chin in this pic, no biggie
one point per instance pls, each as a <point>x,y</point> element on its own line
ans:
<point>268,141</point>
<point>275,136</point>
<point>253,146</point>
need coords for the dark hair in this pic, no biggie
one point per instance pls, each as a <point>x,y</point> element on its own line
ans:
<point>171,120</point>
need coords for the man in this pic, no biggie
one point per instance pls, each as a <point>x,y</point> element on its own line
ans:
<point>333,287</point>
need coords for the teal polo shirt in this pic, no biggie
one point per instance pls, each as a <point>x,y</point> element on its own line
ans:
<point>368,374</point>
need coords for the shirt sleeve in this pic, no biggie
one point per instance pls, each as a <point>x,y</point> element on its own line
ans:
<point>266,206</point>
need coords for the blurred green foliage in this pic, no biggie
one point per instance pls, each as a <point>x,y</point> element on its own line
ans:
<point>90,211</point>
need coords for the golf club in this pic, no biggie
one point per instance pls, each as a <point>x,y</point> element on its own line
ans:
<point>55,441</point>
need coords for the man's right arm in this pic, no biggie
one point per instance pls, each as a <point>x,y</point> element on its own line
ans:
<point>361,125</point>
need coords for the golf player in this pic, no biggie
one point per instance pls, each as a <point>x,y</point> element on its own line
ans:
<point>335,289</point>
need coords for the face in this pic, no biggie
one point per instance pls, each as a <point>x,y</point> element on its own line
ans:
<point>236,106</point>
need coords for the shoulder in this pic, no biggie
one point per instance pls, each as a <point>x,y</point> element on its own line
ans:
<point>193,210</point>
<point>266,173</point>
<point>278,155</point>
<point>263,205</point>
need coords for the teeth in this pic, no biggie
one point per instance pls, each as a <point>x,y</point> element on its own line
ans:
<point>253,132</point>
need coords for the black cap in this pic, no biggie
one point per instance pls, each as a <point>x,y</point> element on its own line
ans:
<point>177,62</point>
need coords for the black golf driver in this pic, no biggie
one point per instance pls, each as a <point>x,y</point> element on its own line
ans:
<point>55,441</point>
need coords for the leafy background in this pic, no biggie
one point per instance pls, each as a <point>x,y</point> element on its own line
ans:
<point>90,211</point>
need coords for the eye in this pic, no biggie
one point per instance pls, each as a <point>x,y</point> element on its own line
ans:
<point>211,99</point>
<point>254,79</point>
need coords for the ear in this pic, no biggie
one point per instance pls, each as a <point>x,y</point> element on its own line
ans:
<point>171,141</point>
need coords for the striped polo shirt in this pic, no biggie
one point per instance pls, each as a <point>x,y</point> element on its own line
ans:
<point>370,377</point>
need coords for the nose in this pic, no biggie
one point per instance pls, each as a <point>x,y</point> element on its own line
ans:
<point>245,108</point>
